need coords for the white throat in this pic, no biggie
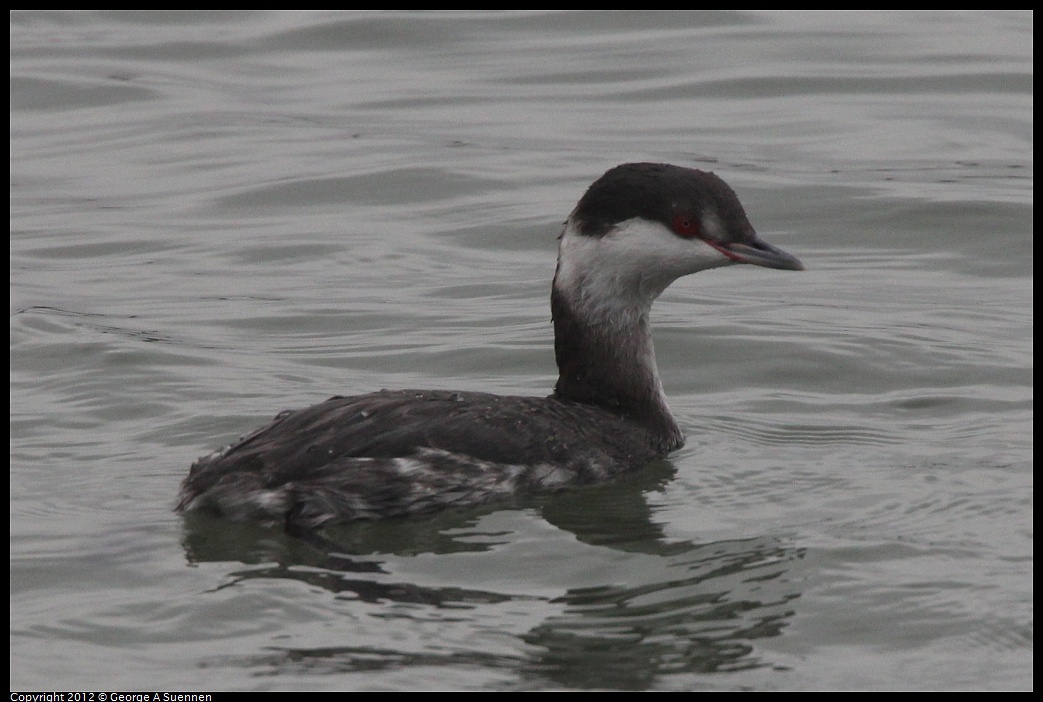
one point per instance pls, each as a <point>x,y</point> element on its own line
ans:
<point>603,292</point>
<point>628,268</point>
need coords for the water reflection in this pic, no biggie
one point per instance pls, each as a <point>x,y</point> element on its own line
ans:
<point>666,607</point>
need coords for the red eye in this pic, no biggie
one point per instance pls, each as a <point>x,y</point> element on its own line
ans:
<point>686,226</point>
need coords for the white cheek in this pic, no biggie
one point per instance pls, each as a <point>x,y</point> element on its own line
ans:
<point>633,263</point>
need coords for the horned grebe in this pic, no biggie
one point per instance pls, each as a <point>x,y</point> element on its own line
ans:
<point>638,228</point>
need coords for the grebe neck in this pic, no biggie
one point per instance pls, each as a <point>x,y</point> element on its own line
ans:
<point>603,339</point>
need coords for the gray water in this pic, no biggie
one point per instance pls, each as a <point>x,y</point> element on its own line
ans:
<point>218,216</point>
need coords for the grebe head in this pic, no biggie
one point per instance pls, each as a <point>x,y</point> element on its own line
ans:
<point>643,225</point>
<point>639,227</point>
